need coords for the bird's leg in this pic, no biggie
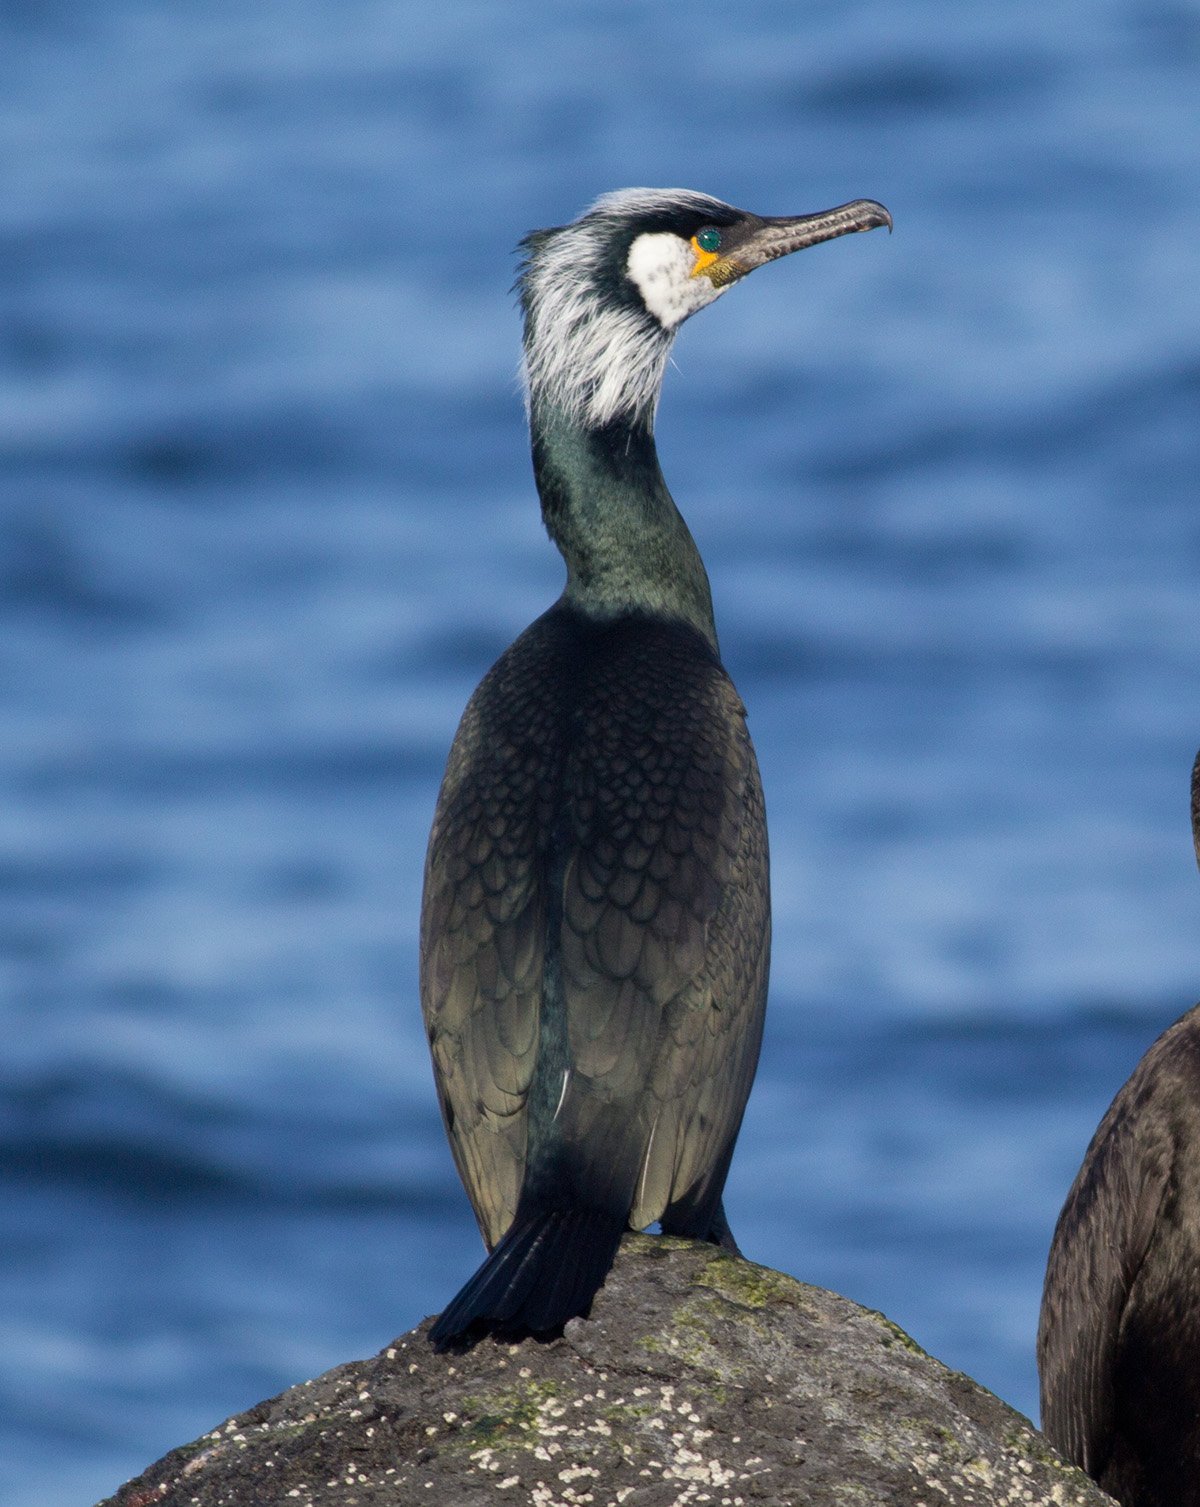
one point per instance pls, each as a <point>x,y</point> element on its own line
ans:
<point>720,1234</point>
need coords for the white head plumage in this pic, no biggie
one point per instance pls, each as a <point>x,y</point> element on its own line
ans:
<point>603,300</point>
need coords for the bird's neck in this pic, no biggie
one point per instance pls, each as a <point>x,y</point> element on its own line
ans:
<point>606,506</point>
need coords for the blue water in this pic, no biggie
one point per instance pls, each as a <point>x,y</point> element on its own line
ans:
<point>266,516</point>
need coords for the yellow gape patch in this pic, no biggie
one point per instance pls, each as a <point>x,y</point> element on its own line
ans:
<point>704,259</point>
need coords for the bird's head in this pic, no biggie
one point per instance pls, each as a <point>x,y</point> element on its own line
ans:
<point>604,296</point>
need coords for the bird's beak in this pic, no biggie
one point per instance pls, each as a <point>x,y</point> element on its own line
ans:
<point>776,237</point>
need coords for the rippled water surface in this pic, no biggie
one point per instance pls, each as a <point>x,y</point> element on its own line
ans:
<point>266,516</point>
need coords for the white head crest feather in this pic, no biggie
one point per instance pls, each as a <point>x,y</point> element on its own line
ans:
<point>595,356</point>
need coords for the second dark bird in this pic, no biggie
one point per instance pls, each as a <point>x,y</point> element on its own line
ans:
<point>1119,1337</point>
<point>596,920</point>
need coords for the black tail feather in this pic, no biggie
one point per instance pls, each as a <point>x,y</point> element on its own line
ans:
<point>546,1270</point>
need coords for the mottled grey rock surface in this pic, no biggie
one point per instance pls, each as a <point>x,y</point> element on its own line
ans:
<point>699,1379</point>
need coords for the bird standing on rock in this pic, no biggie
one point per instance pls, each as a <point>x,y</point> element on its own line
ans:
<point>1119,1337</point>
<point>596,921</point>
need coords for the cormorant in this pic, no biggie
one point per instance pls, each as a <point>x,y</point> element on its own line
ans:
<point>1119,1337</point>
<point>596,923</point>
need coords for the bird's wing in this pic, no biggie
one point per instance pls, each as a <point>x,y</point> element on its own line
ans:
<point>1099,1244</point>
<point>703,1077</point>
<point>665,923</point>
<point>483,933</point>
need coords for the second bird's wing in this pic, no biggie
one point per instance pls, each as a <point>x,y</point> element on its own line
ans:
<point>1100,1242</point>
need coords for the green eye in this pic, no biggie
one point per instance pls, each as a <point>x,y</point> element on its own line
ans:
<point>708,240</point>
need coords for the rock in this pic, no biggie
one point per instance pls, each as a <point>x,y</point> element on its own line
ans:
<point>699,1378</point>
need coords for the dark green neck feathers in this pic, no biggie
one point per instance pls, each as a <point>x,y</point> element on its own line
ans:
<point>606,506</point>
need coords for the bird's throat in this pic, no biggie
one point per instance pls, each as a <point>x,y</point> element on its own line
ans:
<point>607,508</point>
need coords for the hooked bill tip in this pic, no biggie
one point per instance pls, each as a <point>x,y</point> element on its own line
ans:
<point>880,214</point>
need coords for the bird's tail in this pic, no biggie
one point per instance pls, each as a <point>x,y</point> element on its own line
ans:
<point>546,1270</point>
